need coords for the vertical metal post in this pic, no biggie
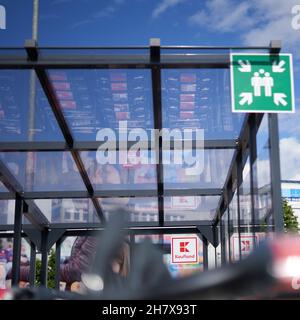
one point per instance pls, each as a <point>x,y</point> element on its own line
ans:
<point>157,112</point>
<point>223,247</point>
<point>275,173</point>
<point>228,227</point>
<point>239,167</point>
<point>205,253</point>
<point>32,264</point>
<point>57,262</point>
<point>17,241</point>
<point>253,172</point>
<point>44,263</point>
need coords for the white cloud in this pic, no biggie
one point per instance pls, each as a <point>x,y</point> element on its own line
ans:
<point>105,12</point>
<point>290,158</point>
<point>289,122</point>
<point>223,16</point>
<point>257,21</point>
<point>164,6</point>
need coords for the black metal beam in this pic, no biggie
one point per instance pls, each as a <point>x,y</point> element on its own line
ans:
<point>205,253</point>
<point>32,264</point>
<point>17,190</point>
<point>94,145</point>
<point>6,227</point>
<point>242,142</point>
<point>55,195</point>
<point>157,113</point>
<point>17,242</point>
<point>9,181</point>
<point>33,146</point>
<point>185,190</point>
<point>44,262</point>
<point>7,196</point>
<point>7,234</point>
<point>253,171</point>
<point>57,263</point>
<point>35,215</point>
<point>275,173</point>
<point>138,231</point>
<point>55,106</point>
<point>192,191</point>
<point>118,61</point>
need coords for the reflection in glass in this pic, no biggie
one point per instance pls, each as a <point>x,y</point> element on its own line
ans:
<point>7,211</point>
<point>247,237</point>
<point>216,163</point>
<point>190,208</point>
<point>262,190</point>
<point>68,210</point>
<point>49,171</point>
<point>234,229</point>
<point>95,99</point>
<point>138,209</point>
<point>25,114</point>
<point>199,99</point>
<point>225,236</point>
<point>119,176</point>
<point>6,260</point>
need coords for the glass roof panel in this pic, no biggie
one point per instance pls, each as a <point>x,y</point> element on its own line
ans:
<point>142,209</point>
<point>25,114</point>
<point>95,99</point>
<point>190,208</point>
<point>212,172</point>
<point>7,211</point>
<point>119,176</point>
<point>199,99</point>
<point>68,210</point>
<point>44,171</point>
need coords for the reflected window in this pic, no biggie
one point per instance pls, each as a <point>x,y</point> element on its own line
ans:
<point>96,99</point>
<point>119,176</point>
<point>68,210</point>
<point>7,212</point>
<point>190,208</point>
<point>25,113</point>
<point>211,174</point>
<point>44,171</point>
<point>138,209</point>
<point>199,98</point>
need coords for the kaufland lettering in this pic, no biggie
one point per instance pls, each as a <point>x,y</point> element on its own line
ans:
<point>2,18</point>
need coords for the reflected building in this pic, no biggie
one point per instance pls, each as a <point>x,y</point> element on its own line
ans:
<point>291,191</point>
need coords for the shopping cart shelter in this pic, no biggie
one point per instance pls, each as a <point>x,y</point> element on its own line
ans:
<point>63,111</point>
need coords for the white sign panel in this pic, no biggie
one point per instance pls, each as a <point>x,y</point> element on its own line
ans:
<point>184,202</point>
<point>184,249</point>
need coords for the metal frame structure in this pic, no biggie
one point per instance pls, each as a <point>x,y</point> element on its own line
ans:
<point>156,59</point>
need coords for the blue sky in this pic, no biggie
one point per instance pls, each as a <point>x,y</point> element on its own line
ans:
<point>178,22</point>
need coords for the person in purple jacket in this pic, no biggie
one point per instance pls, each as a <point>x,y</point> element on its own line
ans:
<point>81,257</point>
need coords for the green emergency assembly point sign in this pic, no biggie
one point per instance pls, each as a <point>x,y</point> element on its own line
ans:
<point>262,83</point>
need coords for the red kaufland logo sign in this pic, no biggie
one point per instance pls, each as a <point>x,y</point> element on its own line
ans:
<point>184,249</point>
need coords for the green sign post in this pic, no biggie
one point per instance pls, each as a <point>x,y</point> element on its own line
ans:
<point>262,83</point>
